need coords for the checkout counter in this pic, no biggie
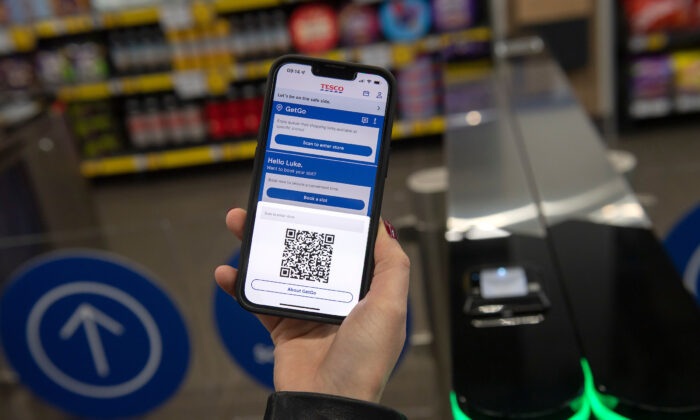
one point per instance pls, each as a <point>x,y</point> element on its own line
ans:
<point>563,303</point>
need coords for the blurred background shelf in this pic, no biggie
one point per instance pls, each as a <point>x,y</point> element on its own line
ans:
<point>146,86</point>
<point>663,41</point>
<point>397,56</point>
<point>24,36</point>
<point>658,61</point>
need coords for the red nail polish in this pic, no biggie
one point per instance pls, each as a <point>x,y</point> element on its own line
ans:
<point>390,230</point>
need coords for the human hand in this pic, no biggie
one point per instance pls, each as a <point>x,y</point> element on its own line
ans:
<point>354,359</point>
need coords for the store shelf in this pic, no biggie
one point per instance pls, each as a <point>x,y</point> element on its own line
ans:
<point>662,41</point>
<point>648,109</point>
<point>221,152</point>
<point>230,6</point>
<point>397,56</point>
<point>24,36</point>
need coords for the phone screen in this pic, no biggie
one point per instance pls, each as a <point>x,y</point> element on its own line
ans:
<point>319,172</point>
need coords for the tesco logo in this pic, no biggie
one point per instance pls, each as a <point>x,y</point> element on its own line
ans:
<point>331,88</point>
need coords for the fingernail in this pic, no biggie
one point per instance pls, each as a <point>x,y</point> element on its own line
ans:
<point>390,229</point>
<point>232,208</point>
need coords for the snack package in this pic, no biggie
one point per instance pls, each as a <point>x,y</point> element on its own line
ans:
<point>657,15</point>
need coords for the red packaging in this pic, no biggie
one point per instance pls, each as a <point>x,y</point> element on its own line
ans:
<point>658,15</point>
<point>214,112</point>
<point>234,118</point>
<point>313,28</point>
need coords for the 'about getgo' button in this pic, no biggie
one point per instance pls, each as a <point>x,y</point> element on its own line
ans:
<point>303,291</point>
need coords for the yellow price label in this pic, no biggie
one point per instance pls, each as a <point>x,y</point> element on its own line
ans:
<point>22,38</point>
<point>78,24</point>
<point>47,28</point>
<point>155,82</point>
<point>656,41</point>
<point>217,82</point>
<point>132,17</point>
<point>180,158</point>
<point>109,166</point>
<point>239,151</point>
<point>240,5</point>
<point>403,54</point>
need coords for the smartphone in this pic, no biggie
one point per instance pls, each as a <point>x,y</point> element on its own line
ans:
<point>319,170</point>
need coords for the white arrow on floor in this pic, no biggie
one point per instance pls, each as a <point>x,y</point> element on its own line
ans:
<point>88,316</point>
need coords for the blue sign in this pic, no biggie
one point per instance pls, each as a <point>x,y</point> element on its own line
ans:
<point>244,337</point>
<point>90,333</point>
<point>247,341</point>
<point>683,245</point>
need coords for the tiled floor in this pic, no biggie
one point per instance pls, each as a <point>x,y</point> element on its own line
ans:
<point>668,170</point>
<point>173,225</point>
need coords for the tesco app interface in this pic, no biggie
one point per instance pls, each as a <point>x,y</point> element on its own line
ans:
<point>317,187</point>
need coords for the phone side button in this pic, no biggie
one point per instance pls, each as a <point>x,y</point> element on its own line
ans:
<point>388,159</point>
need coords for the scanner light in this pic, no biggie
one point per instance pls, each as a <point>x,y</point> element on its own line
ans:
<point>600,404</point>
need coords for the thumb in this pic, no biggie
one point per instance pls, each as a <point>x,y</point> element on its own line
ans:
<point>391,270</point>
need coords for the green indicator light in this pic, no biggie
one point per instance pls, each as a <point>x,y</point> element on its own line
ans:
<point>582,408</point>
<point>601,405</point>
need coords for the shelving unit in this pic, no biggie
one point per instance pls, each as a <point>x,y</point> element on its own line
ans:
<point>24,37</point>
<point>211,83</point>
<point>665,50</point>
<point>663,41</point>
<point>218,78</point>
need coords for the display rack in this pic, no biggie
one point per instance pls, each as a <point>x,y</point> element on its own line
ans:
<point>653,72</point>
<point>663,41</point>
<point>220,152</point>
<point>124,116</point>
<point>217,79</point>
<point>23,38</point>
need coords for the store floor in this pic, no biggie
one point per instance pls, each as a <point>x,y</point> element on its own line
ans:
<point>173,224</point>
<point>667,178</point>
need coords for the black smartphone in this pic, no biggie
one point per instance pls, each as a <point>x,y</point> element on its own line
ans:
<point>314,206</point>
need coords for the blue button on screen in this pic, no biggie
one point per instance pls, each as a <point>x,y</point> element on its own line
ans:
<point>322,199</point>
<point>330,146</point>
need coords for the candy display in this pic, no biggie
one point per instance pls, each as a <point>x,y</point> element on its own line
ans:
<point>405,20</point>
<point>419,90</point>
<point>653,15</point>
<point>651,86</point>
<point>686,65</point>
<point>449,15</point>
<point>358,24</point>
<point>314,28</point>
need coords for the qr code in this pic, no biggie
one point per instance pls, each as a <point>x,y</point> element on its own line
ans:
<point>307,255</point>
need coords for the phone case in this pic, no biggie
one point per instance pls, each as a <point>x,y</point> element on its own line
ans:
<point>257,171</point>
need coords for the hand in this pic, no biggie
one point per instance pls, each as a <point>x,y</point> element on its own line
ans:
<point>354,359</point>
